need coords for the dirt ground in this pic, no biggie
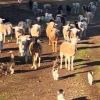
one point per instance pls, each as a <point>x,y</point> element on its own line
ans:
<point>28,84</point>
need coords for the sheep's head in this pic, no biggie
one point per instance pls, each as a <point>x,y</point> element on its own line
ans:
<point>1,20</point>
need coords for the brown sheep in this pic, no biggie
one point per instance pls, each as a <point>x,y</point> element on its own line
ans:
<point>68,50</point>
<point>53,37</point>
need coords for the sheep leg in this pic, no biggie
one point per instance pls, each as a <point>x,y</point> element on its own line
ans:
<point>39,61</point>
<point>34,65</point>
<point>49,42</point>
<point>72,62</point>
<point>61,57</point>
<point>4,39</point>
<point>66,62</point>
<point>55,46</point>
<point>69,63</point>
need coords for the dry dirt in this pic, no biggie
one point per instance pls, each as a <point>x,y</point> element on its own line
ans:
<point>27,84</point>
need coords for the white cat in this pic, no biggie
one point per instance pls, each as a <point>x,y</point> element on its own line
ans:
<point>55,73</point>
<point>60,95</point>
<point>90,77</point>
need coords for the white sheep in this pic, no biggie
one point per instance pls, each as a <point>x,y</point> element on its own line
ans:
<point>66,32</point>
<point>36,30</point>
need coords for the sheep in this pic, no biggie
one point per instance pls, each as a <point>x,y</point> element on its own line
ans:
<point>80,18</point>
<point>1,40</point>
<point>50,25</point>
<point>30,4</point>
<point>86,9</point>
<point>24,42</point>
<point>68,9</point>
<point>47,8</point>
<point>41,21</point>
<point>36,30</point>
<point>91,3</point>
<point>60,94</point>
<point>29,25</point>
<point>48,17</point>
<point>66,32</point>
<point>4,30</point>
<point>1,20</point>
<point>23,25</point>
<point>76,7</point>
<point>18,32</point>
<point>35,49</point>
<point>97,2</point>
<point>35,8</point>
<point>53,37</point>
<point>68,49</point>
<point>73,32</point>
<point>84,25</point>
<point>89,16</point>
<point>9,29</point>
<point>60,18</point>
<point>81,26</point>
<point>93,8</point>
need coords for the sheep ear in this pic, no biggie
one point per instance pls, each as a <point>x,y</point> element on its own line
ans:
<point>47,23</point>
<point>3,19</point>
<point>56,24</point>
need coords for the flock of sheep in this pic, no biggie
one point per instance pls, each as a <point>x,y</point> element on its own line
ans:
<point>28,34</point>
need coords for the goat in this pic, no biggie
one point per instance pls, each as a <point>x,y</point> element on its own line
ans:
<point>60,94</point>
<point>8,67</point>
<point>68,50</point>
<point>90,77</point>
<point>55,69</point>
<point>35,49</point>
